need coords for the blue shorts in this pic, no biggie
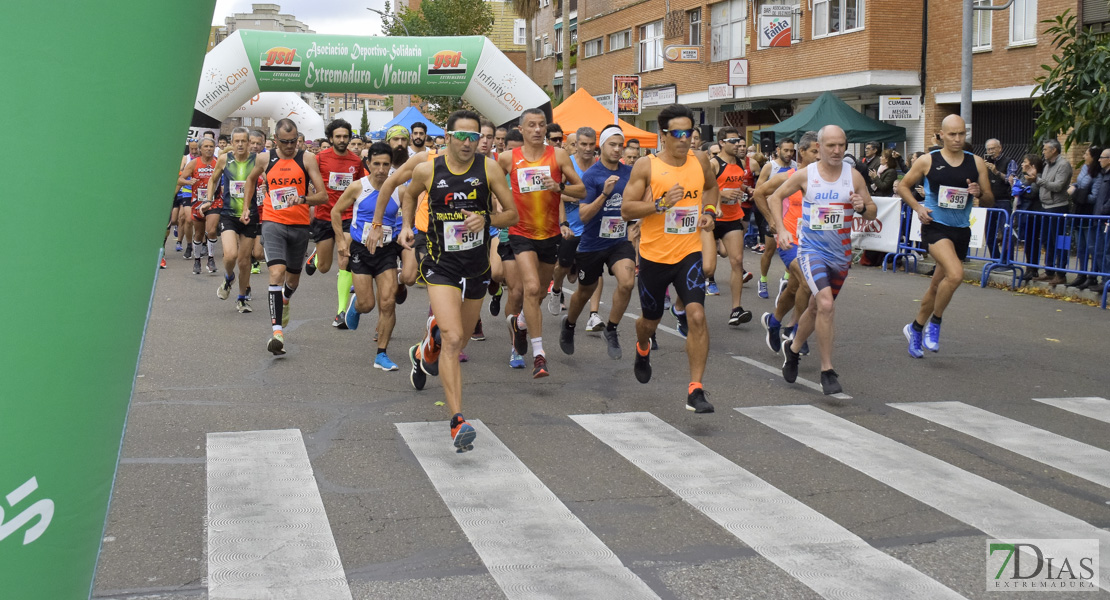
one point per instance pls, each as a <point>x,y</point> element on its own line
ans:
<point>788,256</point>
<point>821,272</point>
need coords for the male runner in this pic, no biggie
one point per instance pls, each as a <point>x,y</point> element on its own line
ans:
<point>239,216</point>
<point>285,219</point>
<point>419,138</point>
<point>732,181</point>
<point>499,139</point>
<point>955,182</point>
<point>338,168</point>
<point>456,267</point>
<point>570,226</point>
<point>196,174</point>
<point>258,144</point>
<point>682,194</point>
<point>182,203</point>
<point>554,134</point>
<point>833,193</point>
<point>356,146</point>
<point>514,288</point>
<point>604,241</point>
<point>371,270</point>
<point>538,174</point>
<point>781,162</point>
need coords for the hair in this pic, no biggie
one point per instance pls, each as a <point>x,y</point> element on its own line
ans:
<point>726,132</point>
<point>633,141</point>
<point>533,111</point>
<point>1055,143</point>
<point>239,130</point>
<point>287,125</point>
<point>1036,161</point>
<point>588,132</point>
<point>209,135</point>
<point>484,122</point>
<point>461,114</point>
<point>1095,151</point>
<point>320,141</point>
<point>554,127</point>
<point>300,136</point>
<point>254,133</point>
<point>674,111</point>
<point>808,139</point>
<point>874,145</point>
<point>421,125</point>
<point>786,140</point>
<point>224,137</point>
<point>888,159</point>
<point>380,148</point>
<point>337,124</point>
<point>203,140</point>
<point>514,135</point>
<point>500,128</point>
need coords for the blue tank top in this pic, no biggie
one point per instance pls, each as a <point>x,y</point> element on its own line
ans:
<point>572,207</point>
<point>363,210</point>
<point>946,190</point>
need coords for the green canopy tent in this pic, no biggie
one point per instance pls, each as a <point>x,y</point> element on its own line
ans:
<point>830,110</point>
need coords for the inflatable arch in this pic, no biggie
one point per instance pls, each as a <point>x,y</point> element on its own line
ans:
<point>249,62</point>
<point>281,105</point>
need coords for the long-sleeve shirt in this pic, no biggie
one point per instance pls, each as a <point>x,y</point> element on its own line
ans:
<point>1052,185</point>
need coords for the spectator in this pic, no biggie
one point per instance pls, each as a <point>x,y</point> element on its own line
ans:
<point>1080,194</point>
<point>886,174</point>
<point>1100,189</point>
<point>1026,199</point>
<point>1052,187</point>
<point>1000,171</point>
<point>872,158</point>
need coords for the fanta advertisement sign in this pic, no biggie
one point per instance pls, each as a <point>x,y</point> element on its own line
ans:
<point>774,26</point>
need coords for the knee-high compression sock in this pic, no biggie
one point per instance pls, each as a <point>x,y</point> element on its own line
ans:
<point>212,247</point>
<point>276,307</point>
<point>287,292</point>
<point>343,287</point>
<point>196,249</point>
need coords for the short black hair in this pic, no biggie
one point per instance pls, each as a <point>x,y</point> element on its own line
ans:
<point>514,135</point>
<point>726,132</point>
<point>632,141</point>
<point>379,148</point>
<point>788,140</point>
<point>674,111</point>
<point>337,124</point>
<point>224,137</point>
<point>553,128</point>
<point>462,114</point>
<point>421,125</point>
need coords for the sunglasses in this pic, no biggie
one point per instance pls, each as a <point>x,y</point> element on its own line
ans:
<point>555,139</point>
<point>679,133</point>
<point>463,136</point>
<point>732,140</point>
<point>281,141</point>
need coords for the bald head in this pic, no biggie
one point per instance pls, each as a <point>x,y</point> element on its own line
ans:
<point>832,143</point>
<point>953,132</point>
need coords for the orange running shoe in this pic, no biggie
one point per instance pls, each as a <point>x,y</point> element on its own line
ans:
<point>462,433</point>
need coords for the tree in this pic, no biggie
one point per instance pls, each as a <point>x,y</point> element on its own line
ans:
<point>1074,97</point>
<point>443,18</point>
<point>527,10</point>
<point>364,128</point>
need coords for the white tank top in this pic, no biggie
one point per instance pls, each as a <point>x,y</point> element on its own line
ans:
<point>826,223</point>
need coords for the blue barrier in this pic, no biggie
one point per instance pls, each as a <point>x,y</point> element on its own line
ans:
<point>907,249</point>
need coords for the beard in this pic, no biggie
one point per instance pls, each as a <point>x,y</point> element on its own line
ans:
<point>418,142</point>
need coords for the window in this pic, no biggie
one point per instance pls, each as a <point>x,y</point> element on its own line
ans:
<point>651,46</point>
<point>573,83</point>
<point>831,17</point>
<point>592,47</point>
<point>728,23</point>
<point>795,19</point>
<point>559,39</point>
<point>1023,22</point>
<point>981,27</point>
<point>619,40</point>
<point>518,32</point>
<point>694,17</point>
<point>538,49</point>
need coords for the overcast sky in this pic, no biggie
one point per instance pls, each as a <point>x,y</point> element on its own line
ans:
<point>348,17</point>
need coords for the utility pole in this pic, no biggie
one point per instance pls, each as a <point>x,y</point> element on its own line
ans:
<point>969,9</point>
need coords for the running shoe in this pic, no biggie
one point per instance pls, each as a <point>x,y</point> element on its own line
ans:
<point>429,353</point>
<point>196,266</point>
<point>310,264</point>
<point>555,302</point>
<point>641,367</point>
<point>747,276</point>
<point>790,364</point>
<point>566,337</point>
<point>683,326</point>
<point>242,306</point>
<point>211,265</point>
<point>759,248</point>
<point>913,336</point>
<point>667,302</point>
<point>177,246</point>
<point>188,252</point>
<point>495,302</point>
<point>350,316</point>
<point>612,344</point>
<point>224,290</point>
<point>782,288</point>
<point>931,340</point>
<point>162,263</point>
<point>788,334</point>
<point>401,295</point>
<point>463,357</point>
<point>774,342</point>
<point>654,342</point>
<point>462,433</point>
<point>539,367</point>
<point>248,294</point>
<point>739,316</point>
<point>255,268</point>
<point>696,402</point>
<point>175,235</point>
<point>520,336</point>
<point>829,383</point>
<point>516,361</point>
<point>478,335</point>
<point>340,321</point>
<point>594,323</point>
<point>711,289</point>
<point>276,345</point>
<point>285,312</point>
<point>763,290</point>
<point>381,361</point>
<point>416,377</point>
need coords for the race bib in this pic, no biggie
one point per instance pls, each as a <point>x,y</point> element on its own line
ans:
<point>338,181</point>
<point>681,220</point>
<point>530,179</point>
<point>201,194</point>
<point>826,218</point>
<point>613,228</point>
<point>457,238</point>
<point>387,234</point>
<point>282,198</point>
<point>952,197</point>
<point>238,188</point>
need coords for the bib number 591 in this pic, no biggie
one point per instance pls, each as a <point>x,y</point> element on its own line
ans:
<point>43,509</point>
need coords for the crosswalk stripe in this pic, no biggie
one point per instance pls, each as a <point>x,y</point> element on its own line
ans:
<point>800,381</point>
<point>268,534</point>
<point>992,508</point>
<point>1066,454</point>
<point>1092,407</point>
<point>531,543</point>
<point>828,558</point>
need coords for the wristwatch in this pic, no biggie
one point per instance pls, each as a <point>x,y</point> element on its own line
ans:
<point>562,185</point>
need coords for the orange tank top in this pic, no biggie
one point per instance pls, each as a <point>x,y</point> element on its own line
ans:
<point>729,177</point>
<point>422,216</point>
<point>537,207</point>
<point>671,236</point>
<point>792,209</point>
<point>285,181</point>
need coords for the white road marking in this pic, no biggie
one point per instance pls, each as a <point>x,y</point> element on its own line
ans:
<point>778,371</point>
<point>1093,407</point>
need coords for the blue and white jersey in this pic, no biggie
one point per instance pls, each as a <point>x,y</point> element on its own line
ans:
<point>826,224</point>
<point>607,228</point>
<point>363,209</point>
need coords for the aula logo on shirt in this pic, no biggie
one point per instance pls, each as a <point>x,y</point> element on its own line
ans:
<point>826,196</point>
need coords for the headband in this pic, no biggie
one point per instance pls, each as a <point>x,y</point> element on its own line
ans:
<point>608,133</point>
<point>397,131</point>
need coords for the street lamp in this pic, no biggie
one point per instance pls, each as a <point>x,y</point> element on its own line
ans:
<point>391,16</point>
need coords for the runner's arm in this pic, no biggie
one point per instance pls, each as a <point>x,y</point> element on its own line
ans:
<point>864,193</point>
<point>759,197</point>
<point>575,189</point>
<point>637,202</point>
<point>420,176</point>
<point>319,196</point>
<point>986,195</point>
<point>917,172</point>
<point>397,179</point>
<point>764,174</point>
<point>260,162</point>
<point>214,180</point>
<point>795,183</point>
<point>507,215</point>
<point>187,173</point>
<point>597,199</point>
<point>345,201</point>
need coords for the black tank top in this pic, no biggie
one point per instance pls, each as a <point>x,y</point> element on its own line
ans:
<point>450,245</point>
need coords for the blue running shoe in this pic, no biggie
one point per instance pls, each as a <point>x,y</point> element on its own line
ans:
<point>351,316</point>
<point>931,340</point>
<point>462,433</point>
<point>683,328</point>
<point>382,362</point>
<point>763,290</point>
<point>774,339</point>
<point>913,336</point>
<point>516,361</point>
<point>711,289</point>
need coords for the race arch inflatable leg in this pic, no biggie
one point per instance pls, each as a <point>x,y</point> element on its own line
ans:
<point>73,327</point>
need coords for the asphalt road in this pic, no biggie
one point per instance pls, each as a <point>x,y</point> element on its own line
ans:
<point>204,369</point>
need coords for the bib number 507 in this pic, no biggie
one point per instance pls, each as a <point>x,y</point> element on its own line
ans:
<point>43,509</point>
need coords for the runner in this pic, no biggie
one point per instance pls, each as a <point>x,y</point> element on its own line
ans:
<point>461,188</point>
<point>356,146</point>
<point>239,216</point>
<point>378,270</point>
<point>584,142</point>
<point>794,296</point>
<point>285,220</point>
<point>681,186</point>
<point>833,193</point>
<point>182,201</point>
<point>196,174</point>
<point>485,148</point>
<point>604,241</point>
<point>732,181</point>
<point>538,174</point>
<point>513,287</point>
<point>258,143</point>
<point>745,162</point>
<point>781,162</point>
<point>955,182</point>
<point>338,168</point>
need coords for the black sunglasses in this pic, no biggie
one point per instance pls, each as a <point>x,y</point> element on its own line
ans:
<point>281,141</point>
<point>555,139</point>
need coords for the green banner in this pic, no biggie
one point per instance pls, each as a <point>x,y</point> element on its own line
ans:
<point>88,94</point>
<point>440,66</point>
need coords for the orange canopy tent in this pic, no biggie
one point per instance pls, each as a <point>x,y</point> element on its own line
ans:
<point>582,110</point>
